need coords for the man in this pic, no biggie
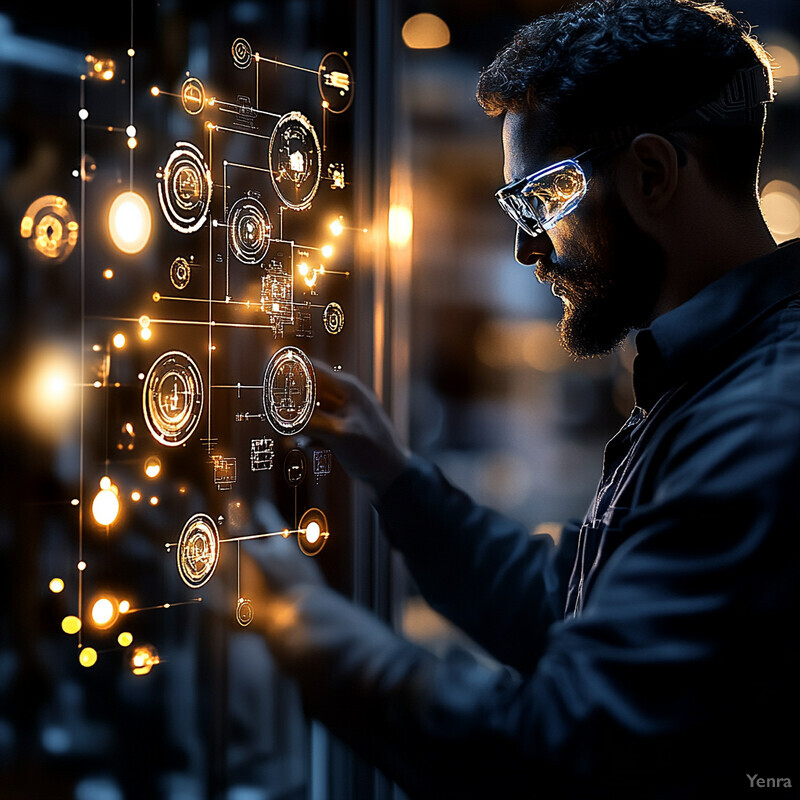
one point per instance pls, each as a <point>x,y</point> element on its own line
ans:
<point>653,652</point>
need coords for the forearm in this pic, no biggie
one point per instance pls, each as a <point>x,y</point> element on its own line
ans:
<point>479,568</point>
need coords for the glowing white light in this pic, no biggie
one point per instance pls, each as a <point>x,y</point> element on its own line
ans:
<point>56,585</point>
<point>327,250</point>
<point>130,222</point>
<point>83,114</point>
<point>105,506</point>
<point>131,130</point>
<point>312,532</point>
<point>336,227</point>
<point>103,612</point>
<point>401,225</point>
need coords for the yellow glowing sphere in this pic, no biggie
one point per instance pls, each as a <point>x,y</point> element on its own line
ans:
<point>336,227</point>
<point>124,607</point>
<point>146,334</point>
<point>56,585</point>
<point>130,222</point>
<point>327,250</point>
<point>119,340</point>
<point>108,274</point>
<point>155,91</point>
<point>105,482</point>
<point>153,501</point>
<point>425,32</point>
<point>104,612</point>
<point>132,144</point>
<point>70,624</point>
<point>312,532</point>
<point>136,496</point>
<point>152,467</point>
<point>105,507</point>
<point>303,268</point>
<point>125,639</point>
<point>88,657</point>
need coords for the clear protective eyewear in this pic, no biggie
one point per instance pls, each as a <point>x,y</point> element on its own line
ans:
<point>538,201</point>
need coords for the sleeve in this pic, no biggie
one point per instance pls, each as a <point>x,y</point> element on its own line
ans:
<point>483,571</point>
<point>675,676</point>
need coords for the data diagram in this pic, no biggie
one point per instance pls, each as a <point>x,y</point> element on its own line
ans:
<point>247,209</point>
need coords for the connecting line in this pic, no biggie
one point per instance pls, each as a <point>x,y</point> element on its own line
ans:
<point>164,605</point>
<point>284,64</point>
<point>243,133</point>
<point>285,535</point>
<point>247,166</point>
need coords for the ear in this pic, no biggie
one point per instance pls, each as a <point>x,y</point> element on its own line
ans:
<point>648,175</point>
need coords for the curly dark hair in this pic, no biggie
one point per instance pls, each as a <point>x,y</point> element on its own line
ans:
<point>636,64</point>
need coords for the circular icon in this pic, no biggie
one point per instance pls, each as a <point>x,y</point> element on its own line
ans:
<point>198,550</point>
<point>184,189</point>
<point>244,612</point>
<point>289,390</point>
<point>173,398</point>
<point>333,318</point>
<point>193,96</point>
<point>242,53</point>
<point>312,532</point>
<point>294,467</point>
<point>50,228</point>
<point>249,230</point>
<point>335,83</point>
<point>180,273</point>
<point>295,160</point>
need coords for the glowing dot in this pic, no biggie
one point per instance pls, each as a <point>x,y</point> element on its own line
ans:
<point>156,297</point>
<point>325,104</point>
<point>83,114</point>
<point>152,467</point>
<point>124,607</point>
<point>81,566</point>
<point>401,225</point>
<point>144,658</point>
<point>166,605</point>
<point>129,221</point>
<point>337,227</point>
<point>303,269</point>
<point>105,482</point>
<point>104,612</point>
<point>285,533</point>
<point>75,173</point>
<point>155,91</point>
<point>153,501</point>
<point>140,376</point>
<point>131,52</point>
<point>136,496</point>
<point>125,639</point>
<point>97,384</point>
<point>88,657</point>
<point>56,585</point>
<point>105,507</point>
<point>146,334</point>
<point>132,142</point>
<point>108,74</point>
<point>70,625</point>
<point>108,274</point>
<point>96,348</point>
<point>74,501</point>
<point>312,532</point>
<point>119,340</point>
<point>425,32</point>
<point>144,321</point>
<point>327,250</point>
<point>345,54</point>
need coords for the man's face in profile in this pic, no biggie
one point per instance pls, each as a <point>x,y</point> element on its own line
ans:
<point>605,269</point>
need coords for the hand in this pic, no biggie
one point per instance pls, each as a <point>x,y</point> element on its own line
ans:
<point>352,423</point>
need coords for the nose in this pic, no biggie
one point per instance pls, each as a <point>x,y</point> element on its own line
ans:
<point>528,250</point>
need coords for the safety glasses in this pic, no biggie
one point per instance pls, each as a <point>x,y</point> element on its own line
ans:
<point>539,201</point>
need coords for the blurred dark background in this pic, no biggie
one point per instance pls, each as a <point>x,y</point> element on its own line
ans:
<point>457,339</point>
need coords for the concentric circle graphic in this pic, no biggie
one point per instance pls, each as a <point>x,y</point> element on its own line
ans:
<point>295,160</point>
<point>244,612</point>
<point>172,398</point>
<point>335,83</point>
<point>180,273</point>
<point>290,390</point>
<point>50,228</point>
<point>313,532</point>
<point>249,230</point>
<point>242,53</point>
<point>184,189</point>
<point>193,96</point>
<point>198,550</point>
<point>333,318</point>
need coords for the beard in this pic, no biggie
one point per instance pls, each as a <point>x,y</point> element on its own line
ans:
<point>608,288</point>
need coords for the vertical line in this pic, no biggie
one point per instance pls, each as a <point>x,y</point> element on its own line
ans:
<point>82,177</point>
<point>130,81</point>
<point>238,572</point>
<point>227,234</point>
<point>210,289</point>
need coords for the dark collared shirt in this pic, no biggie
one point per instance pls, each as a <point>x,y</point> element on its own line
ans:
<point>653,652</point>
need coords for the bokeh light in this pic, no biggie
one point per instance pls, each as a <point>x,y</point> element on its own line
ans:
<point>130,222</point>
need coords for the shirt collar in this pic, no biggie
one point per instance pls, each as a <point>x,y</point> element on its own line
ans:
<point>686,336</point>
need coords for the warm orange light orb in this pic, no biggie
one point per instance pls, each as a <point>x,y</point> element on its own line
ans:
<point>105,612</point>
<point>56,585</point>
<point>70,624</point>
<point>105,506</point>
<point>130,222</point>
<point>88,657</point>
